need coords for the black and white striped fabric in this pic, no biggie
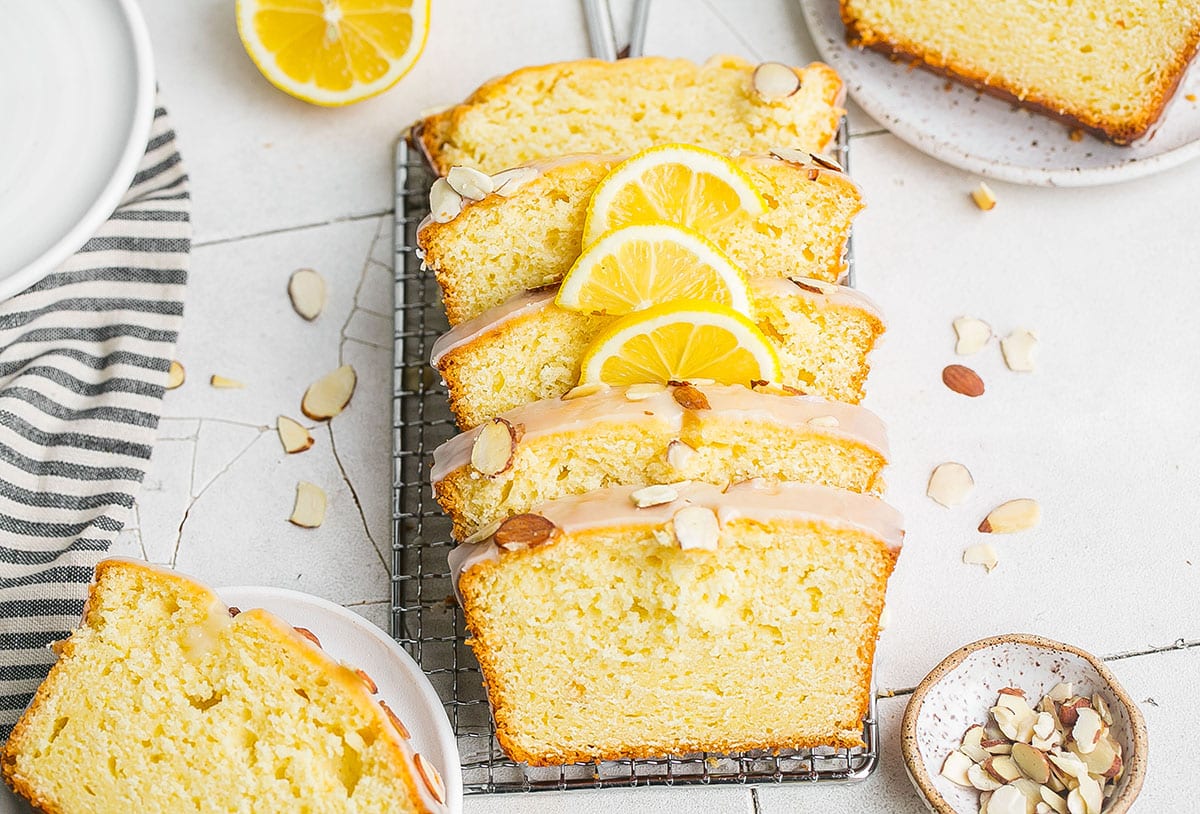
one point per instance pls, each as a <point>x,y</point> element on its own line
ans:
<point>83,362</point>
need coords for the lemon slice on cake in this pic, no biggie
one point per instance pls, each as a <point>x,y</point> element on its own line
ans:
<point>333,52</point>
<point>634,267</point>
<point>683,340</point>
<point>678,183</point>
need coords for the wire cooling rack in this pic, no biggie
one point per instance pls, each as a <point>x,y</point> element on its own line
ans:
<point>427,621</point>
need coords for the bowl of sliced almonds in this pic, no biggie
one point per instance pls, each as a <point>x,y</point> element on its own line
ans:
<point>1019,724</point>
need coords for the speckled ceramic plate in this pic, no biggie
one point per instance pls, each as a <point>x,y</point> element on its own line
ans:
<point>991,137</point>
<point>959,691</point>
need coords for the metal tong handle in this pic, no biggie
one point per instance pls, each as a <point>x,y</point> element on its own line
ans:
<point>601,37</point>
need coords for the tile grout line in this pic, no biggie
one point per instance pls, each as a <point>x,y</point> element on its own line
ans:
<point>754,800</point>
<point>199,244</point>
<point>1180,644</point>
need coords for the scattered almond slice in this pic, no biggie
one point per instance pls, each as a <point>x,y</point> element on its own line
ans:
<point>823,421</point>
<point>523,531</point>
<point>1013,516</point>
<point>981,780</point>
<point>293,435</point>
<point>972,334</point>
<point>224,383</point>
<point>329,395</point>
<point>1031,762</point>
<point>955,768</point>
<point>584,390</point>
<point>1019,348</point>
<point>470,183</point>
<point>983,196</point>
<point>309,510</point>
<point>949,484</point>
<point>655,495</point>
<point>981,554</point>
<point>444,202</point>
<point>678,454</point>
<point>1087,730</point>
<point>306,289</point>
<point>774,80</point>
<point>176,375</point>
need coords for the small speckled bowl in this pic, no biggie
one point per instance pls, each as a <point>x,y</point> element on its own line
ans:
<point>960,690</point>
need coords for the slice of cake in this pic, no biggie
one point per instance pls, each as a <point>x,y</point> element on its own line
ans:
<point>717,622</point>
<point>652,434</point>
<point>1104,65</point>
<point>528,234</point>
<point>162,701</point>
<point>593,106</point>
<point>529,349</point>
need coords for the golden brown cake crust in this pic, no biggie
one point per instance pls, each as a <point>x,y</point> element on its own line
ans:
<point>434,132</point>
<point>1120,134</point>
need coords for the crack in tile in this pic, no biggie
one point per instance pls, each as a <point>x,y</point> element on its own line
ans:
<point>745,43</point>
<point>362,515</point>
<point>194,499</point>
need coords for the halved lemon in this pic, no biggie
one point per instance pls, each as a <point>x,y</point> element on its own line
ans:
<point>634,267</point>
<point>333,52</point>
<point>684,340</point>
<point>678,183</point>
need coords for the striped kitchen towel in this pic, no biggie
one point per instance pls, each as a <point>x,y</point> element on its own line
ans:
<point>83,362</point>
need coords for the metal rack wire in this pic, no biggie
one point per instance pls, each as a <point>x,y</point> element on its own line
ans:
<point>427,621</point>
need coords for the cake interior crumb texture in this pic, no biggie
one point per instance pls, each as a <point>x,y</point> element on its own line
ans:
<point>615,643</point>
<point>621,107</point>
<point>500,246</point>
<point>158,704</point>
<point>1107,65</point>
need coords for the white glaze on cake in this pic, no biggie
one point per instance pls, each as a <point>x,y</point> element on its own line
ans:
<point>756,500</point>
<point>732,402</point>
<point>529,302</point>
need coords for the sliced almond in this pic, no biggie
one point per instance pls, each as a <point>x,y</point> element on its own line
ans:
<point>1014,725</point>
<point>395,721</point>
<point>293,436</point>
<point>1070,764</point>
<point>955,768</point>
<point>306,288</point>
<point>1019,349</point>
<point>176,375</point>
<point>1099,759</point>
<point>470,183</point>
<point>1075,803</point>
<point>1061,692</point>
<point>696,527</point>
<point>774,80</point>
<point>1056,802</point>
<point>679,454</point>
<point>432,777</point>
<point>641,392</point>
<point>1031,762</point>
<point>997,746</point>
<point>484,532</point>
<point>1044,727</point>
<point>949,484</point>
<point>981,779</point>
<point>224,382</point>
<point>494,448</point>
<point>508,182</point>
<point>1002,768</point>
<point>1092,794</point>
<point>826,162</point>
<point>972,335</point>
<point>690,397</point>
<point>655,495</point>
<point>309,509</point>
<point>1087,729</point>
<point>524,531</point>
<point>1101,707</point>
<point>1012,516</point>
<point>329,395</point>
<point>823,421</point>
<point>1068,711</point>
<point>366,680</point>
<point>1014,699</point>
<point>444,202</point>
<point>972,744</point>
<point>981,554</point>
<point>308,634</point>
<point>963,380</point>
<point>584,390</point>
<point>983,196</point>
<point>1007,800</point>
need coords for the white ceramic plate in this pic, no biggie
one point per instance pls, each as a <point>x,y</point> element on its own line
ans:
<point>991,137</point>
<point>77,101</point>
<point>347,636</point>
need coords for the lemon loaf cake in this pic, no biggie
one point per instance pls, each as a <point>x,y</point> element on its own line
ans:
<point>527,234</point>
<point>652,434</point>
<point>163,701</point>
<point>530,349</point>
<point>591,106</point>
<point>1104,65</point>
<point>716,622</point>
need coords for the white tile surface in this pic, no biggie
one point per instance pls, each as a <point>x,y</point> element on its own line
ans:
<point>1103,434</point>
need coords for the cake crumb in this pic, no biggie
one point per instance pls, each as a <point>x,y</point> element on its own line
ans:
<point>983,196</point>
<point>1191,97</point>
<point>1076,134</point>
